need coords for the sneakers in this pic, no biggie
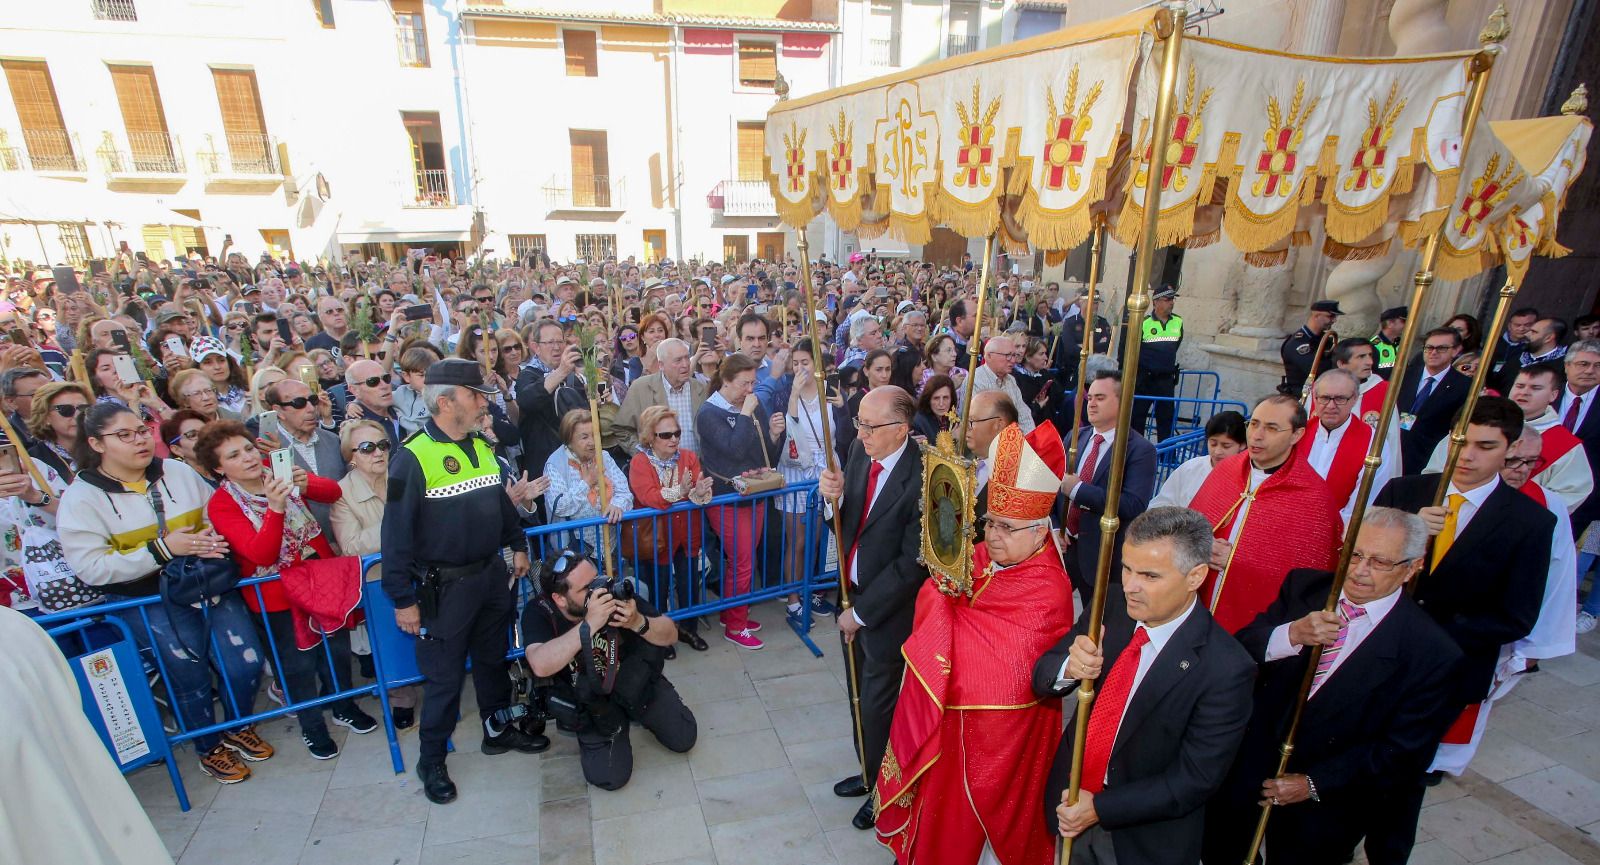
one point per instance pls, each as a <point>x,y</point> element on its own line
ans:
<point>275,693</point>
<point>247,744</point>
<point>404,718</point>
<point>745,639</point>
<point>358,721</point>
<point>797,616</point>
<point>320,744</point>
<point>752,625</point>
<point>820,605</point>
<point>1585,622</point>
<point>221,764</point>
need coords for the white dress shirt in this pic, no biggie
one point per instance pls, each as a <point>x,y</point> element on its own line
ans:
<point>1279,647</point>
<point>1179,488</point>
<point>1100,459</point>
<point>889,462</point>
<point>1159,635</point>
<point>1474,500</point>
<point>1325,443</point>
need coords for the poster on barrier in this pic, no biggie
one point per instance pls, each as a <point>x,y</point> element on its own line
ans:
<point>110,695</point>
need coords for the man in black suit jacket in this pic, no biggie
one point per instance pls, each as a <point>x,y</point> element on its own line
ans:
<point>1582,363</point>
<point>1087,494</point>
<point>547,388</point>
<point>1430,395</point>
<point>992,411</point>
<point>881,544</point>
<point>1168,733</point>
<point>1373,719</point>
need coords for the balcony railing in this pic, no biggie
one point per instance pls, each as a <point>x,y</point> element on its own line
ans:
<point>412,42</point>
<point>743,198</point>
<point>244,154</point>
<point>585,192</point>
<point>114,10</point>
<point>883,52</point>
<point>42,150</point>
<point>955,45</point>
<point>432,188</point>
<point>147,153</point>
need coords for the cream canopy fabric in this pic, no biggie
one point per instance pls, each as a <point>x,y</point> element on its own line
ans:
<point>1044,136</point>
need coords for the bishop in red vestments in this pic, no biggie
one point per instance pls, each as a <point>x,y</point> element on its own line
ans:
<point>1270,513</point>
<point>971,746</point>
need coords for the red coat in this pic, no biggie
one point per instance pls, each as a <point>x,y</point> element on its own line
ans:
<point>254,548</point>
<point>685,527</point>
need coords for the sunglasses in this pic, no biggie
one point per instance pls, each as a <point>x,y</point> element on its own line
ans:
<point>669,436</point>
<point>300,402</point>
<point>69,410</point>
<point>370,448</point>
<point>372,381</point>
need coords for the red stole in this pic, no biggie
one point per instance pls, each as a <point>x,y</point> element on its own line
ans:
<point>1535,492</point>
<point>1371,404</point>
<point>1293,523</point>
<point>969,667</point>
<point>1556,442</point>
<point>1344,473</point>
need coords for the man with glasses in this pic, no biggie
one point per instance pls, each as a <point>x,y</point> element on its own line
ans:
<point>1270,514</point>
<point>1485,578</point>
<point>17,386</point>
<point>1379,702</point>
<point>1000,356</point>
<point>975,765</point>
<point>372,398</point>
<point>1430,395</point>
<point>335,322</point>
<point>879,495</point>
<point>673,387</point>
<point>1336,445</point>
<point>1086,484</point>
<point>300,424</point>
<point>446,529</point>
<point>1575,406</point>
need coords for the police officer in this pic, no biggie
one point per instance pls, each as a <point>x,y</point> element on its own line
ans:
<point>1159,338</point>
<point>603,660</point>
<point>1386,342</point>
<point>447,521</point>
<point>1071,341</point>
<point>1299,349</point>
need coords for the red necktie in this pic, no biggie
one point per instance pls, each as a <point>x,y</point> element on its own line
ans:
<point>1106,716</point>
<point>1075,513</point>
<point>1571,420</point>
<point>872,484</point>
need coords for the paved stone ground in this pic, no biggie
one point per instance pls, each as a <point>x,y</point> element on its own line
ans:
<point>774,736</point>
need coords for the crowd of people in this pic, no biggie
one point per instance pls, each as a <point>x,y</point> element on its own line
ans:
<point>168,419</point>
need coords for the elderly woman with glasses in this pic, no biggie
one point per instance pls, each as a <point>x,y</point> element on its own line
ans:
<point>192,389</point>
<point>663,474</point>
<point>180,432</point>
<point>53,421</point>
<point>574,475</point>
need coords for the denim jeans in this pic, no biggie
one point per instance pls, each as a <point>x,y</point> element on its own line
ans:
<point>298,671</point>
<point>1592,604</point>
<point>188,644</point>
<point>683,576</point>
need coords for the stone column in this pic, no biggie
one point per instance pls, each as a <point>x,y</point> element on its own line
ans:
<point>1316,26</point>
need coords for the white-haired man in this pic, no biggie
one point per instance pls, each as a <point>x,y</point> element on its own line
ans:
<point>1000,355</point>
<point>672,387</point>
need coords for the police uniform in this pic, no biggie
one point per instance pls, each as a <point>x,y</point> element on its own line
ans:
<point>1158,369</point>
<point>1385,350</point>
<point>1299,352</point>
<point>447,520</point>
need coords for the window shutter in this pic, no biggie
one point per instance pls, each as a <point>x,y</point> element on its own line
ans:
<point>580,49</point>
<point>34,95</point>
<point>752,147</point>
<point>758,64</point>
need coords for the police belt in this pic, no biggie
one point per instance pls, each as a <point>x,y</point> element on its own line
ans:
<point>451,573</point>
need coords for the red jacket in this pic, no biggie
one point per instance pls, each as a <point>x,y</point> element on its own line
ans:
<point>685,527</point>
<point>254,549</point>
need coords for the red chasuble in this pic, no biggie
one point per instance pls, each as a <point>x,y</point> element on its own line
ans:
<point>971,746</point>
<point>1554,443</point>
<point>1344,473</point>
<point>1371,406</point>
<point>1292,523</point>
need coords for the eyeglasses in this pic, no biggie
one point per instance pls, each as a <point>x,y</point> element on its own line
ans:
<point>1437,348</point>
<point>187,436</point>
<point>669,435</point>
<point>127,436</point>
<point>300,402</point>
<point>238,325</point>
<point>1334,400</point>
<point>370,448</point>
<point>370,381</point>
<point>68,409</point>
<point>1005,529</point>
<point>191,394</point>
<point>1378,564</point>
<point>985,419</point>
<point>1519,463</point>
<point>870,427</point>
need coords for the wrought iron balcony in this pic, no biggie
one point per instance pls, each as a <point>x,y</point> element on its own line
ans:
<point>585,192</point>
<point>114,10</point>
<point>883,52</point>
<point>743,198</point>
<point>960,44</point>
<point>412,43</point>
<point>431,187</point>
<point>147,153</point>
<point>48,150</point>
<point>243,155</point>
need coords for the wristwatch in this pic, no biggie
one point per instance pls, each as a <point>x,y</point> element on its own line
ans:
<point>644,626</point>
<point>41,503</point>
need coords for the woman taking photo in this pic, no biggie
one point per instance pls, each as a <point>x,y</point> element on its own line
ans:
<point>140,397</point>
<point>802,460</point>
<point>627,364</point>
<point>192,389</point>
<point>227,377</point>
<point>116,541</point>
<point>942,355</point>
<point>574,492</point>
<point>358,522</point>
<point>269,528</point>
<point>180,431</point>
<point>1035,387</point>
<point>933,408</point>
<point>661,475</point>
<point>53,421</point>
<point>737,439</point>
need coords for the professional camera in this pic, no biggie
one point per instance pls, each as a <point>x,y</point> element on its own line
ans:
<point>622,590</point>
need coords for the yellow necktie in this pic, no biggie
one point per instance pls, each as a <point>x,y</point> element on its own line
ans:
<point>1441,544</point>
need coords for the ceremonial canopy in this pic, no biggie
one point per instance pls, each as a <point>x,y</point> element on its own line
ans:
<point>1038,139</point>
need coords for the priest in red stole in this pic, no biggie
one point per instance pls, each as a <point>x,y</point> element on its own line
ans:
<point>971,746</point>
<point>1270,513</point>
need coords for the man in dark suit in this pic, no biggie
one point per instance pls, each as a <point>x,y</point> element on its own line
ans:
<point>1430,395</point>
<point>881,491</point>
<point>548,386</point>
<point>992,411</point>
<point>1377,708</point>
<point>1509,346</point>
<point>1169,714</point>
<point>1084,487</point>
<point>1575,406</point>
<point>1491,555</point>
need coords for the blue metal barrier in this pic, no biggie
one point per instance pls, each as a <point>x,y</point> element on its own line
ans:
<point>1176,451</point>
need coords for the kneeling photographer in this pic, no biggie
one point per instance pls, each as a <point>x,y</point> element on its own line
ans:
<point>601,651</point>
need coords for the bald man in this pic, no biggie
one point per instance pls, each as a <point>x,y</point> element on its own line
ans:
<point>372,398</point>
<point>992,411</point>
<point>1000,354</point>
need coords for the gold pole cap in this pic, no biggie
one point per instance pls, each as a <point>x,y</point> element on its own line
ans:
<point>1578,102</point>
<point>1496,30</point>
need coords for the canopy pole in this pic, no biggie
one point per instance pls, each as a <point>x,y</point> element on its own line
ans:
<point>1169,26</point>
<point>1482,63</point>
<point>1458,435</point>
<point>977,337</point>
<point>1086,348</point>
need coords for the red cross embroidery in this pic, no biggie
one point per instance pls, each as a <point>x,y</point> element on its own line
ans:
<point>1477,207</point>
<point>1370,157</point>
<point>975,154</point>
<point>1279,162</point>
<point>1062,153</point>
<point>1180,151</point>
<point>840,166</point>
<point>797,169</point>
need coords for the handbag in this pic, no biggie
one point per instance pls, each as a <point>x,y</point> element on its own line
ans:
<point>189,581</point>
<point>761,480</point>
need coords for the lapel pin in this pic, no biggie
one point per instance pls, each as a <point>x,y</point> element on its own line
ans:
<point>1183,665</point>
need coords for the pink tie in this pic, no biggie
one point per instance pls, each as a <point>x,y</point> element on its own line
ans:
<point>1347,612</point>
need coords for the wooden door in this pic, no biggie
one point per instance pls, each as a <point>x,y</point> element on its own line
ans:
<point>735,248</point>
<point>144,118</point>
<point>770,245</point>
<point>655,245</point>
